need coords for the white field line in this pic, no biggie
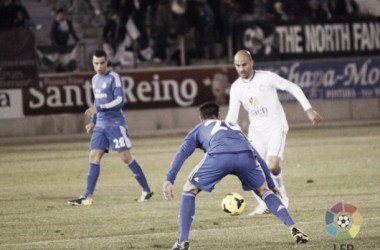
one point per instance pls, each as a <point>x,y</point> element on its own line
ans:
<point>157,234</point>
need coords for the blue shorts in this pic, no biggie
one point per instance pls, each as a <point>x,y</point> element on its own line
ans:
<point>213,168</point>
<point>117,136</point>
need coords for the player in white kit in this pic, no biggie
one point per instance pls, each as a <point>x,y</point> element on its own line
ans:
<point>256,90</point>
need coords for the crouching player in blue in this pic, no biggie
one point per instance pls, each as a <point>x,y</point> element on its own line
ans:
<point>108,127</point>
<point>227,151</point>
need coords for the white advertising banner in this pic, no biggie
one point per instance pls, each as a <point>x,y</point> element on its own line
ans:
<point>11,105</point>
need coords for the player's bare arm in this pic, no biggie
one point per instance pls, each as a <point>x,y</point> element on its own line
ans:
<point>91,111</point>
<point>90,127</point>
<point>168,190</point>
<point>314,117</point>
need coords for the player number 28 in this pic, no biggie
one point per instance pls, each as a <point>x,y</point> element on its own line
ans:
<point>219,126</point>
<point>119,142</point>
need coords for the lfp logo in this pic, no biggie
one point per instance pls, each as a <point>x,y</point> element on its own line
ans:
<point>343,221</point>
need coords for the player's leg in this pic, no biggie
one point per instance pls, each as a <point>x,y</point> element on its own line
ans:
<point>138,173</point>
<point>258,141</point>
<point>261,208</point>
<point>119,138</point>
<point>251,175</point>
<point>94,171</point>
<point>274,204</point>
<point>186,215</point>
<point>98,146</point>
<point>203,177</point>
<point>276,146</point>
<point>277,208</point>
<point>273,163</point>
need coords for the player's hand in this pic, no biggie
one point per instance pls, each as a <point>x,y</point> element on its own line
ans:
<point>277,192</point>
<point>314,117</point>
<point>91,111</point>
<point>90,127</point>
<point>168,190</point>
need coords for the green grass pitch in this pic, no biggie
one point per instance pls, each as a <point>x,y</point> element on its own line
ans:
<point>322,166</point>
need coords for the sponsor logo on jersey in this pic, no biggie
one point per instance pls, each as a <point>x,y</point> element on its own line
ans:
<point>254,101</point>
<point>259,112</point>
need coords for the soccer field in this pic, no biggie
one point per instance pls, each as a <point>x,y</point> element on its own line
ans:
<point>322,167</point>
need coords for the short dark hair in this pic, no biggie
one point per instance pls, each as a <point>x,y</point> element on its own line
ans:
<point>60,10</point>
<point>209,110</point>
<point>100,53</point>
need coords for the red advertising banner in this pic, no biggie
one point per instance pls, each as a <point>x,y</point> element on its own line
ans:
<point>148,89</point>
<point>18,67</point>
<point>186,87</point>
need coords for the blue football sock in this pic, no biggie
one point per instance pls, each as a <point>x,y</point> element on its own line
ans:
<point>276,207</point>
<point>186,215</point>
<point>92,178</point>
<point>139,175</point>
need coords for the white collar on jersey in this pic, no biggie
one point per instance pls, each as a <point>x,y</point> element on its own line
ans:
<point>250,79</point>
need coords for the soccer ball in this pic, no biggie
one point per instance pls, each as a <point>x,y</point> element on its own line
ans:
<point>343,221</point>
<point>233,204</point>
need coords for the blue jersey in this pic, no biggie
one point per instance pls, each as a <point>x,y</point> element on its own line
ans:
<point>108,90</point>
<point>213,137</point>
<point>218,137</point>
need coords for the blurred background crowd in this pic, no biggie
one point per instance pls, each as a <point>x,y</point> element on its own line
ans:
<point>152,32</point>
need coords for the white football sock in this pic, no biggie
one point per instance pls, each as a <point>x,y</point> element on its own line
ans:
<point>279,182</point>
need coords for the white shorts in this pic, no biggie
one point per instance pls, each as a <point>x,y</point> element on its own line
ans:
<point>269,143</point>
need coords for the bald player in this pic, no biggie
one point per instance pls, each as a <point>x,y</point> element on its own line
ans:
<point>256,90</point>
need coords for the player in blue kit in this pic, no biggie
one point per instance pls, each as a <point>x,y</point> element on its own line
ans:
<point>227,151</point>
<point>108,127</point>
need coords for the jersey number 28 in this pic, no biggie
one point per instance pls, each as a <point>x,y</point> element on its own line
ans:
<point>219,125</point>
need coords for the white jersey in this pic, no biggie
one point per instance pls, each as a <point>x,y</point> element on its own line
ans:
<point>258,95</point>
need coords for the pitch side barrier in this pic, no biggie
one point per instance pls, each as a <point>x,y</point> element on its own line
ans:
<point>167,99</point>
